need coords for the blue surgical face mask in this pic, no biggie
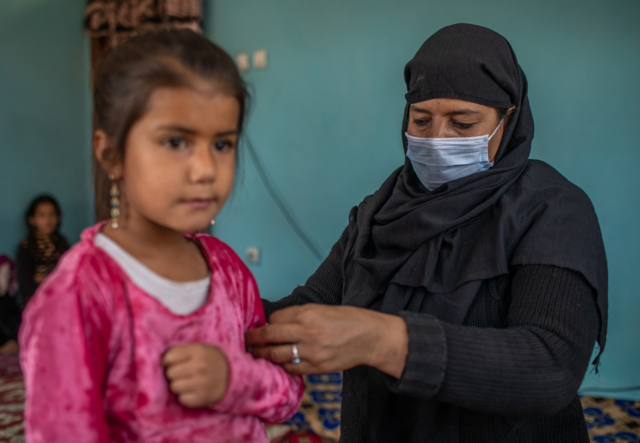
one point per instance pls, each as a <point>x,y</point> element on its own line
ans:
<point>440,160</point>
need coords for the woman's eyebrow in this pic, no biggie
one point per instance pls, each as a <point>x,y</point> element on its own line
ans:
<point>462,112</point>
<point>456,112</point>
<point>418,109</point>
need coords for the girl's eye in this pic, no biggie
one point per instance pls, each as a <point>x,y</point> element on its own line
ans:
<point>223,146</point>
<point>175,143</point>
<point>419,122</point>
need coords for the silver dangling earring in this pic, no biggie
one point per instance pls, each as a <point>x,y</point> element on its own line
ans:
<point>213,222</point>
<point>115,203</point>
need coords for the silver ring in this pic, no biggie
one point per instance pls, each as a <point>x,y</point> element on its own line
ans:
<point>296,357</point>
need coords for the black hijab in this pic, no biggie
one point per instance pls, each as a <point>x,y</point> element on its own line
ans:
<point>428,251</point>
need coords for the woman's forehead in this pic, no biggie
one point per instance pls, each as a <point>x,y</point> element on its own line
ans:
<point>450,106</point>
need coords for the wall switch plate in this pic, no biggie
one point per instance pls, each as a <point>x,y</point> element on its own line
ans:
<point>242,60</point>
<point>260,59</point>
<point>253,255</point>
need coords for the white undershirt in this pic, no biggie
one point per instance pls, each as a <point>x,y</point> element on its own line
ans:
<point>179,297</point>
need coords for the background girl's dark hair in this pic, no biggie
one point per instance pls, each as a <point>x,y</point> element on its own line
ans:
<point>129,75</point>
<point>31,210</point>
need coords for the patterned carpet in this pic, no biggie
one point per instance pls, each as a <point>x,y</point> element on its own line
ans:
<point>11,400</point>
<point>318,421</point>
<point>608,420</point>
<point>612,421</point>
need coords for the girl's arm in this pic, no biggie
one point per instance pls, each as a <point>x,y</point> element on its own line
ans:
<point>63,354</point>
<point>256,386</point>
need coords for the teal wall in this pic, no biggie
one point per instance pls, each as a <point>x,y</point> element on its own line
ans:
<point>44,114</point>
<point>327,114</point>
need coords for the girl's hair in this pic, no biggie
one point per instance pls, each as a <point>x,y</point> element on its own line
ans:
<point>134,70</point>
<point>31,211</point>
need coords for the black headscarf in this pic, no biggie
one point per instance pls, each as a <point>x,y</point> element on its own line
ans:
<point>428,251</point>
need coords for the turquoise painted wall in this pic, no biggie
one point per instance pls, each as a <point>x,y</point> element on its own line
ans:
<point>327,114</point>
<point>44,114</point>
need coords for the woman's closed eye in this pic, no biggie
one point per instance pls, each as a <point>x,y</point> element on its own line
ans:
<point>462,125</point>
<point>420,121</point>
<point>175,143</point>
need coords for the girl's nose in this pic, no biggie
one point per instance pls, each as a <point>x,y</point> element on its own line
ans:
<point>202,166</point>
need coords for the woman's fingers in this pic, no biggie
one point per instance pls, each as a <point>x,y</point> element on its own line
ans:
<point>303,368</point>
<point>274,334</point>
<point>289,325</point>
<point>283,355</point>
<point>279,354</point>
<point>331,338</point>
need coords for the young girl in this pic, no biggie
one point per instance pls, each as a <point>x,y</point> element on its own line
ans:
<point>138,335</point>
<point>40,251</point>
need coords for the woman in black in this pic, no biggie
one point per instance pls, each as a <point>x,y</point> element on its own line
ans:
<point>40,251</point>
<point>473,283</point>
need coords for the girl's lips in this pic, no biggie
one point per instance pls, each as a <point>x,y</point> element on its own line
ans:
<point>199,203</point>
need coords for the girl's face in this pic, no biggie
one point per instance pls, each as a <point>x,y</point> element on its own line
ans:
<point>180,158</point>
<point>45,219</point>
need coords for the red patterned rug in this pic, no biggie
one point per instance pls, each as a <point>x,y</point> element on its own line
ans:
<point>11,400</point>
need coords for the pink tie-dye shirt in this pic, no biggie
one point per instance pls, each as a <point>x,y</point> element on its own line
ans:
<point>91,349</point>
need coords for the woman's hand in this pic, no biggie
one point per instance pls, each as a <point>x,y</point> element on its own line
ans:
<point>198,374</point>
<point>332,338</point>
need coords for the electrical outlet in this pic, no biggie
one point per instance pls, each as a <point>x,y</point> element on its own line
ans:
<point>253,255</point>
<point>260,59</point>
<point>242,60</point>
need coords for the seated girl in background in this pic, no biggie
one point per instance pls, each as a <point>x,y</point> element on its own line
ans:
<point>138,335</point>
<point>40,251</point>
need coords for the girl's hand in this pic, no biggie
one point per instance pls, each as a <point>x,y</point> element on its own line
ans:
<point>198,374</point>
<point>332,338</point>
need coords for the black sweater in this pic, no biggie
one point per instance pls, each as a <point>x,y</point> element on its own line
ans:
<point>510,373</point>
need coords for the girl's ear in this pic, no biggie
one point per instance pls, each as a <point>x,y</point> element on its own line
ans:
<point>31,221</point>
<point>101,142</point>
